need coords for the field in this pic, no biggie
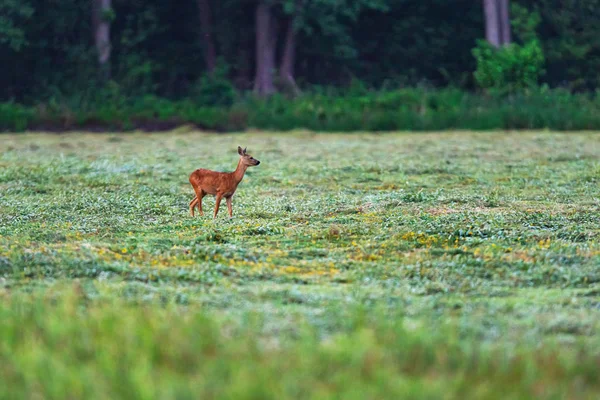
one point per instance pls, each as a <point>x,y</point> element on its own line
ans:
<point>430,265</point>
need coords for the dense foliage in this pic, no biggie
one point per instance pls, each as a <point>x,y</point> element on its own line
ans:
<point>403,109</point>
<point>47,47</point>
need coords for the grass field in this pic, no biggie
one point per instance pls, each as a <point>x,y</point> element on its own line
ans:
<point>455,265</point>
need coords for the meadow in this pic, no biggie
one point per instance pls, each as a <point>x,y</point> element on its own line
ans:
<point>428,265</point>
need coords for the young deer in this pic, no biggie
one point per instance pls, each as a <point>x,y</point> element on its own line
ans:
<point>219,184</point>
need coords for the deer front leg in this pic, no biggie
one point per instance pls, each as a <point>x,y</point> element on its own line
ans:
<point>229,207</point>
<point>217,204</point>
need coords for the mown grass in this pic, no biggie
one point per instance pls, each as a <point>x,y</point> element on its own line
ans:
<point>366,266</point>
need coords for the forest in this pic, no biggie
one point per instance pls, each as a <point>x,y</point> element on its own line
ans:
<point>230,64</point>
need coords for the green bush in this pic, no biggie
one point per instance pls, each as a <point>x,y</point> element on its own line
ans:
<point>403,109</point>
<point>509,69</point>
<point>15,117</point>
<point>515,67</point>
<point>214,90</point>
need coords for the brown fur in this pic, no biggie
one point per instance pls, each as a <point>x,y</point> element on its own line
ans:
<point>219,184</point>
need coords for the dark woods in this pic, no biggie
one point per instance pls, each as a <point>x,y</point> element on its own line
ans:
<point>75,55</point>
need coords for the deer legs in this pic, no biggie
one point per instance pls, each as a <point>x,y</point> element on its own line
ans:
<point>217,204</point>
<point>229,207</point>
<point>197,201</point>
<point>193,205</point>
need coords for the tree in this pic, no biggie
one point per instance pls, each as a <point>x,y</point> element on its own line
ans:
<point>329,17</point>
<point>288,59</point>
<point>102,15</point>
<point>265,50</point>
<point>497,22</point>
<point>14,14</point>
<point>210,56</point>
<point>505,21</point>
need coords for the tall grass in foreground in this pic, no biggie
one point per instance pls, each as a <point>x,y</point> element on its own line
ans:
<point>71,347</point>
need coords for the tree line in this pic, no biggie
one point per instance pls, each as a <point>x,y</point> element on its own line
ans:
<point>54,48</point>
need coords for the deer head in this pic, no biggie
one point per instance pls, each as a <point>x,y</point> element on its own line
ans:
<point>247,159</point>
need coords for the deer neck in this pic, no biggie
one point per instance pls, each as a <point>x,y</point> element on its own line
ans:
<point>239,172</point>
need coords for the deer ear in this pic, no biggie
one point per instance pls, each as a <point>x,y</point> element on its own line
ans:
<point>245,150</point>
<point>240,151</point>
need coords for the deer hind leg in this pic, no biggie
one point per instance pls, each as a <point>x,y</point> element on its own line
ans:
<point>193,204</point>
<point>197,201</point>
<point>229,206</point>
<point>217,204</point>
<point>200,203</point>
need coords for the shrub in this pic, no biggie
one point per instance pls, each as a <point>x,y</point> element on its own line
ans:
<point>509,69</point>
<point>403,109</point>
<point>515,67</point>
<point>214,90</point>
<point>15,117</point>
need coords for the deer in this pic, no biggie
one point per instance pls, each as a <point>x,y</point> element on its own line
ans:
<point>219,184</point>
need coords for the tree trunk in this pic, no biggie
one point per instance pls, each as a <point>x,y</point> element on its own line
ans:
<point>265,51</point>
<point>243,79</point>
<point>492,22</point>
<point>210,57</point>
<point>504,15</point>
<point>286,70</point>
<point>101,22</point>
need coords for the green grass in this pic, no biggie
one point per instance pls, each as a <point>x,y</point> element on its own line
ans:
<point>407,109</point>
<point>455,265</point>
